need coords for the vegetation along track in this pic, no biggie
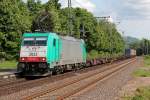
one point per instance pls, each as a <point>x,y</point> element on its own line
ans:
<point>72,86</point>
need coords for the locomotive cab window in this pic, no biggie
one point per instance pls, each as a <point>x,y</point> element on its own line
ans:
<point>28,41</point>
<point>35,41</point>
<point>41,41</point>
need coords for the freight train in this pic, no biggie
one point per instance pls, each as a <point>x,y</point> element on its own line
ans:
<point>45,54</point>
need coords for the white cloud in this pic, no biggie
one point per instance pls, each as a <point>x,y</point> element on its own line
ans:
<point>87,4</point>
<point>132,8</point>
<point>135,16</point>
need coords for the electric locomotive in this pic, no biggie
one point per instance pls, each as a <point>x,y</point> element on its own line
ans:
<point>42,54</point>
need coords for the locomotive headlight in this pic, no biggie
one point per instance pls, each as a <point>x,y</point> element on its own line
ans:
<point>22,59</point>
<point>43,59</point>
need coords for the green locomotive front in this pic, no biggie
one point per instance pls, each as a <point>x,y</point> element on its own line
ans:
<point>42,54</point>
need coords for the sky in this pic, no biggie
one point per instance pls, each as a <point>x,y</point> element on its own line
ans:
<point>132,17</point>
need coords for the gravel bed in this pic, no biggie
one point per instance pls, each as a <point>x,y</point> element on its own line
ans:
<point>109,89</point>
<point>69,88</point>
<point>32,88</point>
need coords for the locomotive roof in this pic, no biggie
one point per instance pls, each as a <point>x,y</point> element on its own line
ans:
<point>69,38</point>
<point>35,34</point>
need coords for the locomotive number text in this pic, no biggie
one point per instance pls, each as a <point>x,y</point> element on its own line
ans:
<point>33,54</point>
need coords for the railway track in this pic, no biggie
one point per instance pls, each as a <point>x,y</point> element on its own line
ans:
<point>23,84</point>
<point>13,85</point>
<point>4,83</point>
<point>72,86</point>
<point>13,79</point>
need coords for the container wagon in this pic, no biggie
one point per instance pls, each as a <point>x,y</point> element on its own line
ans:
<point>130,53</point>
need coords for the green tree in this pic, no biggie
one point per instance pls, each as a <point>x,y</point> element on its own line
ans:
<point>14,20</point>
<point>48,19</point>
<point>34,6</point>
<point>54,4</point>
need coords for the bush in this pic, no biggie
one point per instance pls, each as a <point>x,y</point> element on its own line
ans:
<point>8,56</point>
<point>142,94</point>
<point>92,54</point>
<point>2,55</point>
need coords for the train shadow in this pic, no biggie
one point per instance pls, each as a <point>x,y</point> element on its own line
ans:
<point>29,77</point>
<point>33,77</point>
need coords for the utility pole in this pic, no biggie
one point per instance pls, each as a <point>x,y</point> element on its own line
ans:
<point>147,47</point>
<point>69,17</point>
<point>82,31</point>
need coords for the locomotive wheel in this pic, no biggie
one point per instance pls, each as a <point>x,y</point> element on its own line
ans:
<point>58,70</point>
<point>76,67</point>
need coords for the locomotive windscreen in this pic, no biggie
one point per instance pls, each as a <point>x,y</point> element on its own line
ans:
<point>35,41</point>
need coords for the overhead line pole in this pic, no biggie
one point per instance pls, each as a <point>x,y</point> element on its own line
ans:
<point>69,17</point>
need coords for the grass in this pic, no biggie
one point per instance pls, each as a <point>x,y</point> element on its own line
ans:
<point>147,61</point>
<point>142,93</point>
<point>142,73</point>
<point>8,65</point>
<point>145,71</point>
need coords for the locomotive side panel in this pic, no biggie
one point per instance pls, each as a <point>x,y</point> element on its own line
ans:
<point>71,52</point>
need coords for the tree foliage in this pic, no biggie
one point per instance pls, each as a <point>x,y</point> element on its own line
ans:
<point>14,19</point>
<point>101,37</point>
<point>34,6</point>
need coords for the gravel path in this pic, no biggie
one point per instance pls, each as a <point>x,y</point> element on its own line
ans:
<point>109,88</point>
